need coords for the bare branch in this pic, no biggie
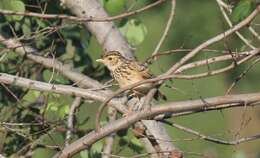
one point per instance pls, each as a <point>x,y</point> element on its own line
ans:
<point>109,141</point>
<point>174,107</point>
<point>211,139</point>
<point>220,4</point>
<point>252,30</point>
<point>66,70</point>
<point>242,75</point>
<point>60,89</point>
<point>81,19</point>
<point>232,56</point>
<point>215,39</point>
<point>70,121</point>
<point>167,28</point>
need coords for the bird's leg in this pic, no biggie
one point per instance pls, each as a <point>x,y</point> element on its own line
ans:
<point>133,102</point>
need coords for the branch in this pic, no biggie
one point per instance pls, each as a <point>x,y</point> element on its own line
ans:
<point>173,107</point>
<point>108,146</point>
<point>66,70</point>
<point>242,75</point>
<point>60,89</point>
<point>80,19</point>
<point>232,56</point>
<point>167,28</point>
<point>70,121</point>
<point>211,139</point>
<point>106,33</point>
<point>215,39</point>
<point>230,25</point>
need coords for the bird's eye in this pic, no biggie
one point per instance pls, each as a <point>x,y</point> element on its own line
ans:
<point>109,58</point>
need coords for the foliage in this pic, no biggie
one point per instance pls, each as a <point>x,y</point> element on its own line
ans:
<point>242,10</point>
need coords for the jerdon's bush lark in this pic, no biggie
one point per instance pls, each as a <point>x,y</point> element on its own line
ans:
<point>127,72</point>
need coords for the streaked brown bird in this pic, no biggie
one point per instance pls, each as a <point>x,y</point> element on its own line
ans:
<point>127,72</point>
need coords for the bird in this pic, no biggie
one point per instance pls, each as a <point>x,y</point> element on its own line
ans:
<point>129,71</point>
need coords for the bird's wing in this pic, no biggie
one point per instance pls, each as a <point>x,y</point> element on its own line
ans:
<point>142,69</point>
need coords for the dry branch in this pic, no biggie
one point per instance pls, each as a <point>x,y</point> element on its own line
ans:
<point>215,39</point>
<point>81,19</point>
<point>54,88</point>
<point>174,107</point>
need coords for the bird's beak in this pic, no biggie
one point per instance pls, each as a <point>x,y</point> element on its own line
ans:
<point>100,60</point>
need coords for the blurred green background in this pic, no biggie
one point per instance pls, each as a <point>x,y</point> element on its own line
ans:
<point>194,23</point>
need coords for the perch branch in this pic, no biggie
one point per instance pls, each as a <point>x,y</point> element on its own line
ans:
<point>173,107</point>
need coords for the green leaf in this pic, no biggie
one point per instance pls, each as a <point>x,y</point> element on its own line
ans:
<point>41,23</point>
<point>47,75</point>
<point>13,5</point>
<point>85,37</point>
<point>12,56</point>
<point>135,145</point>
<point>114,6</point>
<point>63,111</point>
<point>84,154</point>
<point>124,140</point>
<point>26,27</point>
<point>96,149</point>
<point>70,51</point>
<point>31,95</point>
<point>242,10</point>
<point>57,108</point>
<point>134,31</point>
<point>52,106</point>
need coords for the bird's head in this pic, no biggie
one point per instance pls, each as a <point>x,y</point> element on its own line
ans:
<point>111,60</point>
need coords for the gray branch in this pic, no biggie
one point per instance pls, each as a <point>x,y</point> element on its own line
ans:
<point>173,107</point>
<point>106,33</point>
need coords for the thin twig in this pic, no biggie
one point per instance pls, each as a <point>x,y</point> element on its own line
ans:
<point>242,75</point>
<point>167,28</point>
<point>224,5</point>
<point>70,123</point>
<point>80,19</point>
<point>215,39</point>
<point>208,138</point>
<point>252,30</point>
<point>174,51</point>
<point>10,91</point>
<point>231,25</point>
<point>233,56</point>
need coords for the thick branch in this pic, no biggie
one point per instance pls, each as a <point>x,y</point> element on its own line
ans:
<point>106,33</point>
<point>66,70</point>
<point>174,107</point>
<point>54,88</point>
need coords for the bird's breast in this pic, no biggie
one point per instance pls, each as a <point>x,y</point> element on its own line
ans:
<point>128,77</point>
